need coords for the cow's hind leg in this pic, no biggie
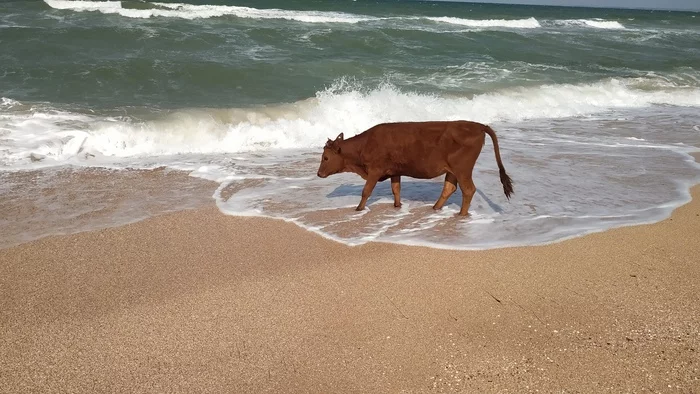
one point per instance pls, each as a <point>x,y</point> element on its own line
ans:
<point>396,190</point>
<point>367,191</point>
<point>468,189</point>
<point>462,163</point>
<point>447,190</point>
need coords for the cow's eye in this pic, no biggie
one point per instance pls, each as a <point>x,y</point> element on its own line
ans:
<point>325,158</point>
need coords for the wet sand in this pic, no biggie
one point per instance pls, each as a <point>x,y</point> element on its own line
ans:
<point>196,301</point>
<point>68,200</point>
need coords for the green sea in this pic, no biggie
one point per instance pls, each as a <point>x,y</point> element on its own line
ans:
<point>596,109</point>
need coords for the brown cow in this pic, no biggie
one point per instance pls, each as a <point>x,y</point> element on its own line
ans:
<point>420,150</point>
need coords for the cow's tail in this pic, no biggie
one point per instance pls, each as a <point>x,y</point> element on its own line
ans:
<point>505,179</point>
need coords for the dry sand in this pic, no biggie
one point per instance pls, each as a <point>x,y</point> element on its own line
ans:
<point>196,301</point>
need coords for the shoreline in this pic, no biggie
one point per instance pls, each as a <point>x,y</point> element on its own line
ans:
<point>162,180</point>
<point>200,301</point>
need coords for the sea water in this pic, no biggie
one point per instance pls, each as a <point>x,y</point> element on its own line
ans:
<point>596,110</point>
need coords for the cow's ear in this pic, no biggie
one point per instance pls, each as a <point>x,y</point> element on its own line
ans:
<point>340,137</point>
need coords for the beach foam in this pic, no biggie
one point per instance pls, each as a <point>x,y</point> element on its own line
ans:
<point>343,107</point>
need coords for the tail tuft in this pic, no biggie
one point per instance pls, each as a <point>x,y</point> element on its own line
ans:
<point>507,183</point>
<point>505,179</point>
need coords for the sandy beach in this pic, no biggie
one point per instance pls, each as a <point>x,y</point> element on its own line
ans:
<point>196,301</point>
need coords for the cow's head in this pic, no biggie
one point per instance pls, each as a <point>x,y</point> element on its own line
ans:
<point>332,161</point>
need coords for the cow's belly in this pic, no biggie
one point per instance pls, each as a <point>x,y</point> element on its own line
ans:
<point>422,171</point>
<point>424,174</point>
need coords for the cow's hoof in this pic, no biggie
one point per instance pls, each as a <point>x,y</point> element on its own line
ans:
<point>464,215</point>
<point>358,209</point>
<point>436,208</point>
<point>397,205</point>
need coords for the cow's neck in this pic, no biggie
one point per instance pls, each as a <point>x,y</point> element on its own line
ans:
<point>351,149</point>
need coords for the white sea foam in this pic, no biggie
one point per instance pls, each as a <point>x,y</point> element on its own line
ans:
<point>193,11</point>
<point>343,107</point>
<point>8,103</point>
<point>85,5</point>
<point>603,24</point>
<point>594,23</point>
<point>529,23</point>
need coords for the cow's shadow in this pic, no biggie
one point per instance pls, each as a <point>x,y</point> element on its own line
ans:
<point>423,192</point>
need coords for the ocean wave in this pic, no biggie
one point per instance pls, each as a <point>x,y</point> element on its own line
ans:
<point>344,107</point>
<point>529,23</point>
<point>8,103</point>
<point>594,23</point>
<point>192,11</point>
<point>85,5</point>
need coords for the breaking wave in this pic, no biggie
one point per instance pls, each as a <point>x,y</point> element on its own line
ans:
<point>343,107</point>
<point>529,23</point>
<point>594,23</point>
<point>192,11</point>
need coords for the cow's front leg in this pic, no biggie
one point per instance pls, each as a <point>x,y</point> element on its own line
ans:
<point>367,191</point>
<point>396,189</point>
